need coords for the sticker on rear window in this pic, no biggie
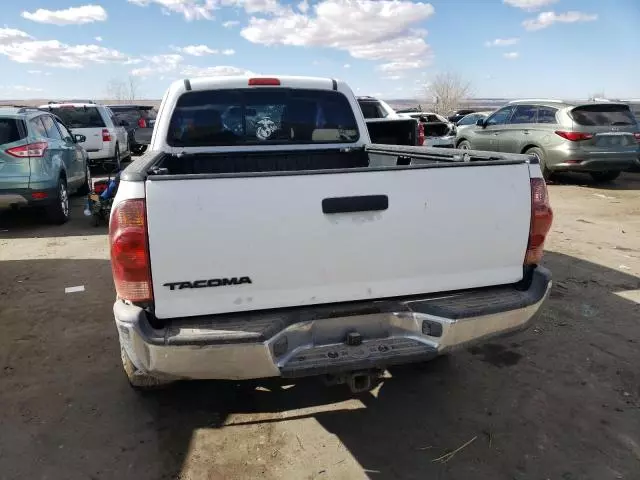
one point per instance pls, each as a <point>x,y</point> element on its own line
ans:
<point>265,128</point>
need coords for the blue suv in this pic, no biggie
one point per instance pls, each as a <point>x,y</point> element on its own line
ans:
<point>41,162</point>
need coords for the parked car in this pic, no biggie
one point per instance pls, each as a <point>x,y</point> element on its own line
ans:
<point>458,114</point>
<point>472,119</point>
<point>132,118</point>
<point>438,131</point>
<point>41,162</point>
<point>599,138</point>
<point>107,141</point>
<point>386,126</point>
<point>300,248</point>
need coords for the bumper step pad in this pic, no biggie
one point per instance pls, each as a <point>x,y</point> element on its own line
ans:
<point>379,353</point>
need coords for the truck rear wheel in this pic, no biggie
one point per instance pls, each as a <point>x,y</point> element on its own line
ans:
<point>139,380</point>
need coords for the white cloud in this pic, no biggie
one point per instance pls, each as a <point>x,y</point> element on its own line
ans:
<point>394,77</point>
<point>197,50</point>
<point>501,42</point>
<point>529,5</point>
<point>190,9</point>
<point>546,19</point>
<point>38,72</point>
<point>218,71</point>
<point>158,64</point>
<point>20,88</point>
<point>202,50</point>
<point>346,65</point>
<point>58,54</point>
<point>230,24</point>
<point>69,16</point>
<point>271,7</point>
<point>303,6</point>
<point>367,29</point>
<point>11,35</point>
<point>511,55</point>
<point>98,39</point>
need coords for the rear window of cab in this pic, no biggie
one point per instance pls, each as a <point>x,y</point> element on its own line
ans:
<point>262,116</point>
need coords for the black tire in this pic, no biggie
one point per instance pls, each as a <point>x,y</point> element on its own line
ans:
<point>58,211</point>
<point>139,381</point>
<point>117,159</point>
<point>86,186</point>
<point>603,177</point>
<point>546,173</point>
<point>138,149</point>
<point>464,145</point>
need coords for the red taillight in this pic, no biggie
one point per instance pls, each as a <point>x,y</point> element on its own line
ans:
<point>637,136</point>
<point>264,81</point>
<point>142,123</point>
<point>31,150</point>
<point>420,133</point>
<point>39,195</point>
<point>130,251</point>
<point>106,136</point>
<point>541,218</point>
<point>574,136</point>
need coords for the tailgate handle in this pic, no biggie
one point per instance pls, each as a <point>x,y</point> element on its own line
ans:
<point>363,203</point>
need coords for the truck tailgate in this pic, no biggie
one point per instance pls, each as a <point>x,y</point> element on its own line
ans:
<point>236,243</point>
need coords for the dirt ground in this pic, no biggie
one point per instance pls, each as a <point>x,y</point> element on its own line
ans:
<point>559,401</point>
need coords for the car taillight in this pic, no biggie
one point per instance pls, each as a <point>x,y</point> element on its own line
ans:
<point>142,123</point>
<point>130,261</point>
<point>36,149</point>
<point>420,133</point>
<point>574,136</point>
<point>637,136</point>
<point>541,219</point>
<point>106,136</point>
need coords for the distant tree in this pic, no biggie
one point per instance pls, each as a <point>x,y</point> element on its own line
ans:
<point>447,91</point>
<point>121,90</point>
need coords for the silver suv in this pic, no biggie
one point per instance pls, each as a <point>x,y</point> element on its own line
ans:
<point>599,138</point>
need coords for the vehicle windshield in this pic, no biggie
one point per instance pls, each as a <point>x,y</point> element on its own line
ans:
<point>603,115</point>
<point>261,116</point>
<point>79,117</point>
<point>9,131</point>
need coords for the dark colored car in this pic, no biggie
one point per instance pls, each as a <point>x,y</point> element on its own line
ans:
<point>458,114</point>
<point>135,117</point>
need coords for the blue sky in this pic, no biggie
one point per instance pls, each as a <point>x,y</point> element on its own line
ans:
<point>388,48</point>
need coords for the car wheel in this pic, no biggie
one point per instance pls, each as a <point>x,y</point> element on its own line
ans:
<point>535,151</point>
<point>138,380</point>
<point>117,160</point>
<point>86,186</point>
<point>602,177</point>
<point>464,145</point>
<point>58,211</point>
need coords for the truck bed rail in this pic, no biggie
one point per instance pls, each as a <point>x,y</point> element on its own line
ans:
<point>413,155</point>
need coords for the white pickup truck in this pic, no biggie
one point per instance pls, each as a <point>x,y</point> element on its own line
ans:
<point>263,235</point>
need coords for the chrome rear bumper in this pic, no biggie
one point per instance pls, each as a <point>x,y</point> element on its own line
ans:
<point>330,338</point>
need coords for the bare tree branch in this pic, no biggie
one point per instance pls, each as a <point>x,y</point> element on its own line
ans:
<point>121,91</point>
<point>447,91</point>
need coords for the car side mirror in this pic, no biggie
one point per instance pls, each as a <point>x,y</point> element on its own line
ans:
<point>481,123</point>
<point>78,138</point>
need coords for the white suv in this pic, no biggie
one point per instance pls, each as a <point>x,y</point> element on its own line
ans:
<point>107,140</point>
